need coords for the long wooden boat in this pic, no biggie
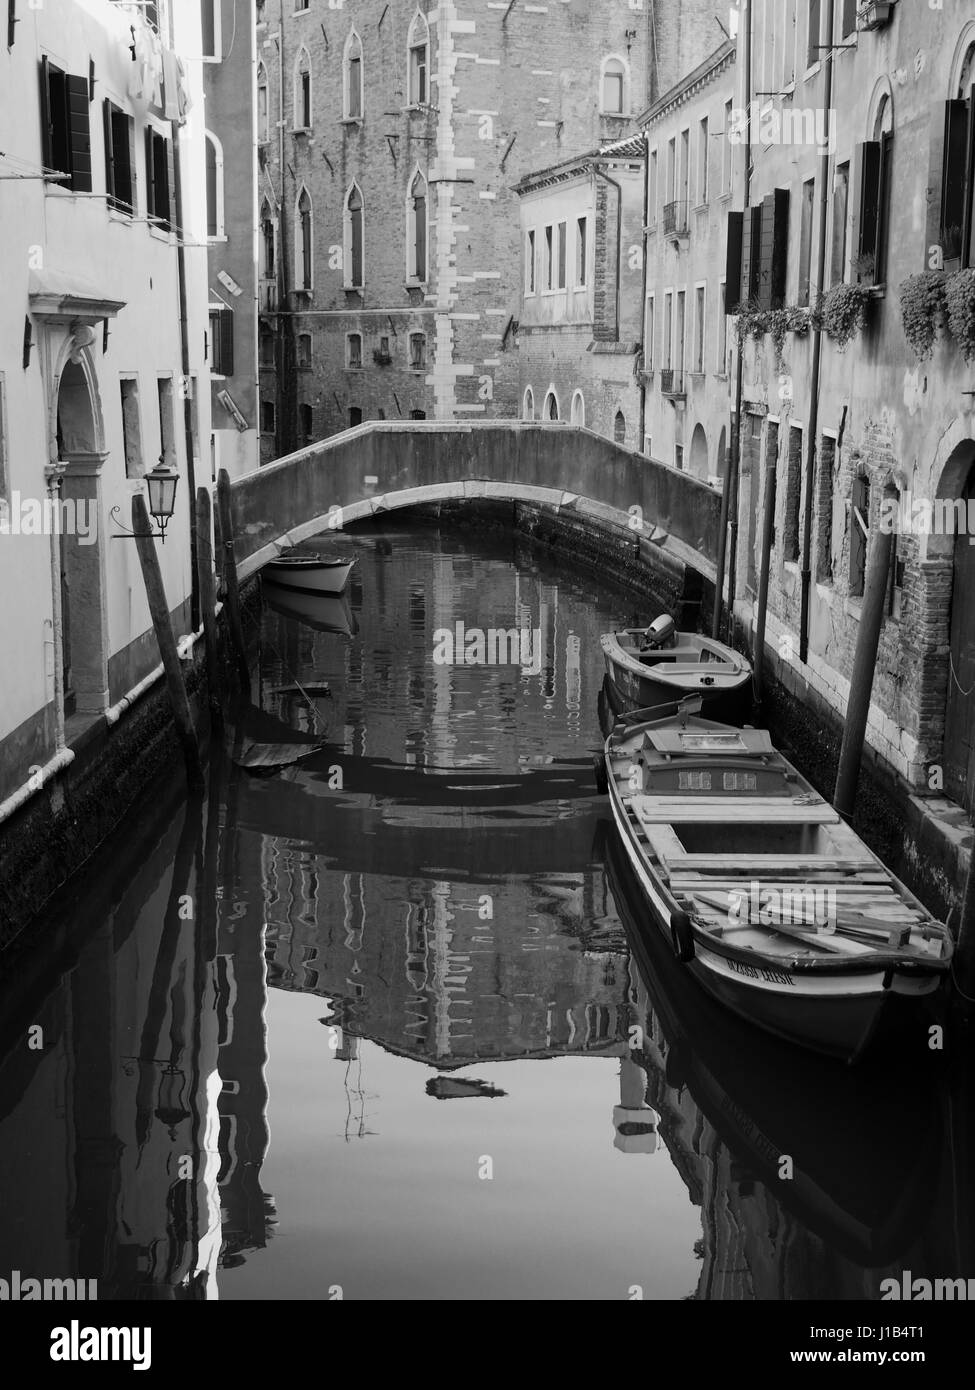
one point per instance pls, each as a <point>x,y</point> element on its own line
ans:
<point>773,903</point>
<point>310,574</point>
<point>657,666</point>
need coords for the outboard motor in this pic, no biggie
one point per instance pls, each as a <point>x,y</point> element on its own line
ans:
<point>662,632</point>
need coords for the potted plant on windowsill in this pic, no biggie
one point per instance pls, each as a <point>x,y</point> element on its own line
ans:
<point>923,311</point>
<point>842,311</point>
<point>381,359</point>
<point>874,14</point>
<point>960,304</point>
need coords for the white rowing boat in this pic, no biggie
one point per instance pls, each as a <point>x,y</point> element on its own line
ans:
<point>658,666</point>
<point>309,574</point>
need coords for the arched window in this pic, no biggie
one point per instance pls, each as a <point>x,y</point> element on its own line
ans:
<point>353,239</point>
<point>578,415</point>
<point>353,77</point>
<point>619,428</point>
<point>528,411</point>
<point>263,105</point>
<point>614,84</point>
<point>214,170</point>
<point>302,120</point>
<point>416,229</point>
<point>877,159</point>
<point>268,253</point>
<point>304,247</point>
<point>958,160</point>
<point>418,46</point>
<point>551,409</point>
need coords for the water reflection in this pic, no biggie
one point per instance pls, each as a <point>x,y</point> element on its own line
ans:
<point>330,953</point>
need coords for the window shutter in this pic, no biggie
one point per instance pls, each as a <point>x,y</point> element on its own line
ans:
<point>765,244</point>
<point>47,135</point>
<point>780,246</point>
<point>109,153</point>
<point>150,180</point>
<point>954,178</point>
<point>869,199</point>
<point>122,154</point>
<point>171,185</point>
<point>733,261</point>
<point>133,165</point>
<point>968,247</point>
<point>746,255</point>
<point>227,342</point>
<point>79,133</point>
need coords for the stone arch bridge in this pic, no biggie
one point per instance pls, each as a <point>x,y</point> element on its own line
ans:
<point>384,466</point>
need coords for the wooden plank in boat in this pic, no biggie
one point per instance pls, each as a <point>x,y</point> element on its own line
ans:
<point>786,866</point>
<point>742,813</point>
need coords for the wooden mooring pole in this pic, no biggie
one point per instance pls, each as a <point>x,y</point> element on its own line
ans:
<point>864,663</point>
<point>208,595</point>
<point>229,572</point>
<point>166,638</point>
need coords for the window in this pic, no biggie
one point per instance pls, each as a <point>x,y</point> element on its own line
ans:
<point>417,229</point>
<point>119,158</point>
<point>582,252</point>
<point>727,150</point>
<point>649,330</point>
<point>578,411</point>
<point>813,32</point>
<point>302,96</point>
<point>304,249</point>
<point>530,262</point>
<point>875,161</point>
<point>382,353</point>
<point>849,25</point>
<point>668,330</point>
<point>685,169</point>
<point>562,237</point>
<point>167,421</point>
<point>212,47</point>
<point>679,457</point>
<point>4,479</point>
<point>841,199</point>
<point>703,149</point>
<point>160,180</point>
<point>266,348</point>
<point>722,362</point>
<point>805,240</point>
<point>793,495</point>
<point>353,239</point>
<point>263,105</point>
<point>355,416</point>
<point>268,259</point>
<point>353,77</point>
<point>418,414</point>
<point>304,351</point>
<point>699,327</point>
<point>65,128</point>
<point>418,351</point>
<point>131,427</point>
<point>653,192</point>
<point>221,340</point>
<point>956,213</point>
<point>859,535</point>
<point>214,173</point>
<point>681,329</point>
<point>267,417</point>
<point>528,409</point>
<point>418,43</point>
<point>549,258</point>
<point>551,411</point>
<point>612,95</point>
<point>671,169</point>
<point>353,350</point>
<point>305,423</point>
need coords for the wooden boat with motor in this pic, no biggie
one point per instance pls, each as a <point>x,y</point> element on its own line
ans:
<point>654,665</point>
<point>774,904</point>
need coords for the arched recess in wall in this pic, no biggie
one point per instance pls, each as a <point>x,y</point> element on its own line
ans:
<point>720,461</point>
<point>269,260</point>
<point>417,229</point>
<point>352,77</point>
<point>578,411</point>
<point>528,408</point>
<point>302,91</point>
<point>354,238</point>
<point>418,61</point>
<point>619,428</point>
<point>304,241</point>
<point>551,409</point>
<point>698,463</point>
<point>216,227</point>
<point>614,85</point>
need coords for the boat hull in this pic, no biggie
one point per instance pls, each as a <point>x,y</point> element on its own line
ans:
<point>636,685</point>
<point>833,1015</point>
<point>324,577</point>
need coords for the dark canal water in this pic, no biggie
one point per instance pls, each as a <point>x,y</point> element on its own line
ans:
<point>370,1027</point>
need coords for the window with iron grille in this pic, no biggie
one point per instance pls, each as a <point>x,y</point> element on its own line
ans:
<point>418,351</point>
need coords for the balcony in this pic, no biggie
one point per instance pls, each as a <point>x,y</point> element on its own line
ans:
<point>675,219</point>
<point>672,383</point>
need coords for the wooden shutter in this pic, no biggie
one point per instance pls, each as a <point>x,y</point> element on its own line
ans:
<point>47,132</point>
<point>883,206</point>
<point>109,153</point>
<point>869,198</point>
<point>733,262</point>
<point>766,238</point>
<point>226,343</point>
<point>122,153</point>
<point>746,255</point>
<point>79,133</point>
<point>780,246</point>
<point>954,178</point>
<point>968,243</point>
<point>150,179</point>
<point>171,186</point>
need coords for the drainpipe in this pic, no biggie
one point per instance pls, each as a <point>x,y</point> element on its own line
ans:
<point>728,543</point>
<point>184,336</point>
<point>53,477</point>
<point>643,301</point>
<point>286,403</point>
<point>864,661</point>
<point>811,450</point>
<point>602,174</point>
<point>768,530</point>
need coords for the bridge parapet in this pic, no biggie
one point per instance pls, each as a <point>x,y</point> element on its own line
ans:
<point>387,465</point>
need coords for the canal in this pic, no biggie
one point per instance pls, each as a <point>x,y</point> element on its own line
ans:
<point>382,1024</point>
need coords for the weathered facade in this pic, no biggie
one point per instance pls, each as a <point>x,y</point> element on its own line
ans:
<point>102,227</point>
